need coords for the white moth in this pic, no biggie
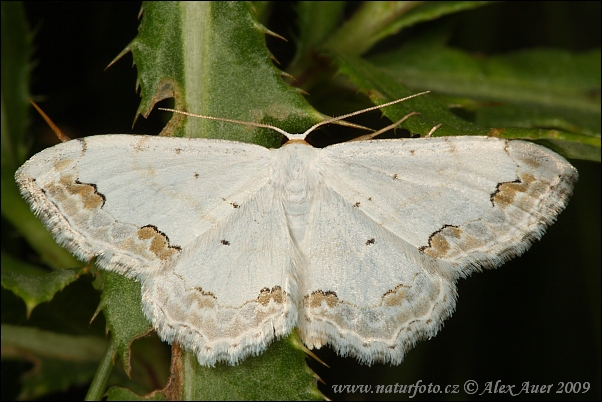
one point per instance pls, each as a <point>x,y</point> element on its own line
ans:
<point>358,244</point>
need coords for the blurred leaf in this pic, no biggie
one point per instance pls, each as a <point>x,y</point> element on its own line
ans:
<point>55,375</point>
<point>557,72</point>
<point>18,341</point>
<point>317,19</point>
<point>16,51</point>
<point>124,394</point>
<point>381,87</point>
<point>517,92</point>
<point>60,361</point>
<point>35,288</point>
<point>376,20</point>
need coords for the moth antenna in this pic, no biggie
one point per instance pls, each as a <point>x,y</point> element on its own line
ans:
<point>309,130</point>
<point>244,123</point>
<point>334,119</point>
<point>433,130</point>
<point>57,131</point>
<point>385,129</point>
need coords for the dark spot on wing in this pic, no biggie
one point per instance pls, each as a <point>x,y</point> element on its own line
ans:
<point>201,291</point>
<point>267,295</point>
<point>160,244</point>
<point>498,189</point>
<point>438,244</point>
<point>88,197</point>
<point>316,299</point>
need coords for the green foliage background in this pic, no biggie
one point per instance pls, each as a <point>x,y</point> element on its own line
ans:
<point>535,319</point>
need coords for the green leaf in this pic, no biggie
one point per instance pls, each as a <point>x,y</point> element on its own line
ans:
<point>60,361</point>
<point>121,304</point>
<point>124,394</point>
<point>317,19</point>
<point>211,58</point>
<point>35,288</point>
<point>149,370</point>
<point>280,373</point>
<point>381,87</point>
<point>376,20</point>
<point>16,50</point>
<point>19,340</point>
<point>546,82</point>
